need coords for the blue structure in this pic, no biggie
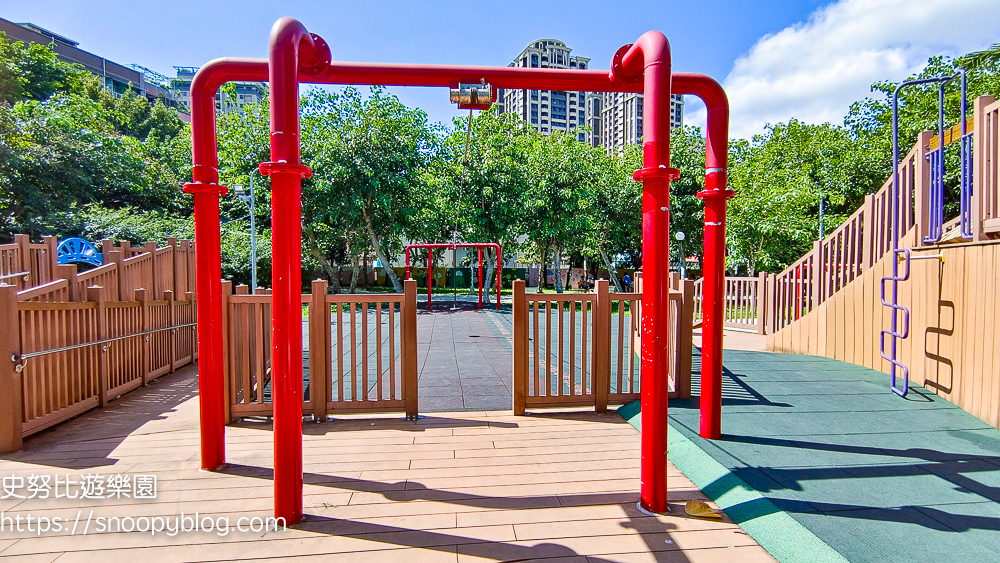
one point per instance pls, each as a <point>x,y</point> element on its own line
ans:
<point>77,250</point>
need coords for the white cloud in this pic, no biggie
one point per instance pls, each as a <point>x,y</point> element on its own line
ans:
<point>814,70</point>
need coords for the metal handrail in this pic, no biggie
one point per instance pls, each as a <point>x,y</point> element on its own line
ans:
<point>14,275</point>
<point>18,358</point>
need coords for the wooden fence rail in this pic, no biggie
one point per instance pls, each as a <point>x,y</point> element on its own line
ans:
<point>59,359</point>
<point>126,269</point>
<point>583,349</point>
<point>360,354</point>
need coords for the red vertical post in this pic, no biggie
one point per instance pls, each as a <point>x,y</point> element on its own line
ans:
<point>206,192</point>
<point>713,293</point>
<point>499,278</point>
<point>648,60</point>
<point>480,277</point>
<point>292,50</point>
<point>429,251</point>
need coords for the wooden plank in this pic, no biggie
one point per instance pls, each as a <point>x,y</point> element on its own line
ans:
<point>519,308</point>
<point>409,345</point>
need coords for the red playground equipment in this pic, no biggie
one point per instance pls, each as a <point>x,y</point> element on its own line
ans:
<point>299,56</point>
<point>479,245</point>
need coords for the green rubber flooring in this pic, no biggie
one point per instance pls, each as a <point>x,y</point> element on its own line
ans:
<point>874,476</point>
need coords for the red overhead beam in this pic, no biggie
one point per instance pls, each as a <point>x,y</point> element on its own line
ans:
<point>297,56</point>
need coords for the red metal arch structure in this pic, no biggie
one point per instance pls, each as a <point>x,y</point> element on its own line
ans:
<point>479,245</point>
<point>297,56</point>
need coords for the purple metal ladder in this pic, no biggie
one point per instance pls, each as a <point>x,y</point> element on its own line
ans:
<point>935,212</point>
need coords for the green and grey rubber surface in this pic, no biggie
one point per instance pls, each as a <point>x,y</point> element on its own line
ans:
<point>820,462</point>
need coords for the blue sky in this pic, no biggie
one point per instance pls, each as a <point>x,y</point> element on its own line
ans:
<point>775,58</point>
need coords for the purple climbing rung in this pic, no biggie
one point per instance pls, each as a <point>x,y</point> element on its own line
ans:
<point>894,333</point>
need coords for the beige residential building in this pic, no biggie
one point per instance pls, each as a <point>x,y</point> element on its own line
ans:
<point>614,119</point>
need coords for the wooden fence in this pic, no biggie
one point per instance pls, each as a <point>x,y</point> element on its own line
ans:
<point>360,352</point>
<point>79,340</point>
<point>554,367</point>
<point>126,268</point>
<point>60,359</point>
<point>986,169</point>
<point>745,301</point>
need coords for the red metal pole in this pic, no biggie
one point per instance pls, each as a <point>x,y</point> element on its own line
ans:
<point>428,279</point>
<point>715,195</point>
<point>206,190</point>
<point>407,263</point>
<point>649,60</point>
<point>499,269</point>
<point>480,276</point>
<point>292,49</point>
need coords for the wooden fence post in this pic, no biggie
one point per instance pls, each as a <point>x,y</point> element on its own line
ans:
<point>115,257</point>
<point>601,358</point>
<point>980,164</point>
<point>23,242</point>
<point>168,296</point>
<point>107,245</point>
<point>142,296</point>
<point>519,306</point>
<point>154,288</point>
<point>95,293</point>
<point>408,335</point>
<point>227,353</point>
<point>868,234</point>
<point>772,304</point>
<point>51,244</point>
<point>762,303</point>
<point>319,350</point>
<point>172,243</point>
<point>68,272</point>
<point>11,401</point>
<point>816,275</point>
<point>685,340</point>
<point>191,267</point>
<point>194,330</point>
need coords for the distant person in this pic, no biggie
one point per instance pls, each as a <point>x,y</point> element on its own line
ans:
<point>627,280</point>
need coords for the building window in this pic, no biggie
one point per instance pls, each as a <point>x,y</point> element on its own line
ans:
<point>545,122</point>
<point>583,66</point>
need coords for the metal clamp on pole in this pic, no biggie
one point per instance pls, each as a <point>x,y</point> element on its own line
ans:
<point>474,96</point>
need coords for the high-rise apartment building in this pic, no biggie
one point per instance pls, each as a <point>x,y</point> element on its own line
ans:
<point>615,119</point>
<point>621,118</point>
<point>551,110</point>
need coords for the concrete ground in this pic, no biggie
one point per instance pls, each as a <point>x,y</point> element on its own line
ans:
<point>464,358</point>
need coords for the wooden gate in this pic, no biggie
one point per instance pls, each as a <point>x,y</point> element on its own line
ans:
<point>583,349</point>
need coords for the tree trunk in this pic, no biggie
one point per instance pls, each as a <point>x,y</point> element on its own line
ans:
<point>354,275</point>
<point>542,268</point>
<point>324,263</point>
<point>382,257</point>
<point>611,272</point>
<point>558,269</point>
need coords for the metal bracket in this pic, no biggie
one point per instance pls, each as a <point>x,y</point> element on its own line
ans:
<point>474,96</point>
<point>19,363</point>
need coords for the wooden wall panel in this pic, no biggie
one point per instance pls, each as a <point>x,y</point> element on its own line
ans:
<point>954,325</point>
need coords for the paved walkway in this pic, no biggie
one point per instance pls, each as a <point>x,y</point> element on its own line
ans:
<point>464,358</point>
<point>874,476</point>
<point>459,487</point>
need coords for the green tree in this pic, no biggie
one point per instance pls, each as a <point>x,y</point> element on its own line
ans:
<point>563,174</point>
<point>367,154</point>
<point>481,178</point>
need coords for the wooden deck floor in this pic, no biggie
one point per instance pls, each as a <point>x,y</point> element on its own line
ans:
<point>469,486</point>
